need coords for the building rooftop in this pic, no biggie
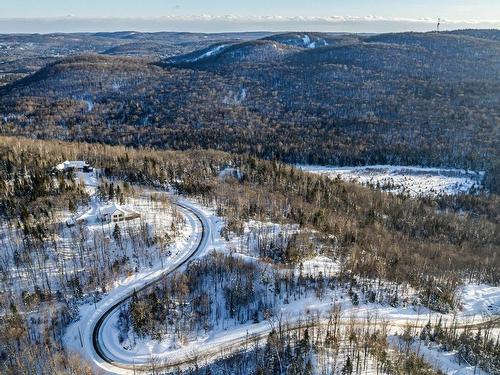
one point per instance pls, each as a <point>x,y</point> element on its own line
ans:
<point>76,164</point>
<point>107,210</point>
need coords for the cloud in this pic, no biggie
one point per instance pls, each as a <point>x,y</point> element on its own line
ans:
<point>326,19</point>
<point>265,19</point>
<point>223,23</point>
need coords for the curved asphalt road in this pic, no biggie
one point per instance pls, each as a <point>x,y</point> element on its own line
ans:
<point>228,345</point>
<point>99,351</point>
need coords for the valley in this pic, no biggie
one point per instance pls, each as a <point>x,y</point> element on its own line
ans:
<point>405,99</point>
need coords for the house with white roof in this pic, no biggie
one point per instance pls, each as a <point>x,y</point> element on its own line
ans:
<point>114,213</point>
<point>74,165</point>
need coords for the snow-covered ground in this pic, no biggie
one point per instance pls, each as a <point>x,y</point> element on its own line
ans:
<point>257,233</point>
<point>168,352</point>
<point>78,336</point>
<point>480,299</point>
<point>230,172</point>
<point>90,180</point>
<point>445,361</point>
<point>414,181</point>
<point>213,51</point>
<point>327,266</point>
<point>73,249</point>
<point>231,332</point>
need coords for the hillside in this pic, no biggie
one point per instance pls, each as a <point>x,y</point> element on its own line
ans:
<point>492,34</point>
<point>312,40</point>
<point>23,54</point>
<point>220,248</point>
<point>228,54</point>
<point>409,98</point>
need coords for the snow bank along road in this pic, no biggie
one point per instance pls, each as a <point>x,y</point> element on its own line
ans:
<point>242,338</point>
<point>92,332</point>
<point>235,340</point>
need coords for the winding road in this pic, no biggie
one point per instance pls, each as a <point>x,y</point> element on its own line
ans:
<point>234,341</point>
<point>93,329</point>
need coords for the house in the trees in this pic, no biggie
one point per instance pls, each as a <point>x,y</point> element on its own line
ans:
<point>112,213</point>
<point>74,166</point>
<point>115,213</point>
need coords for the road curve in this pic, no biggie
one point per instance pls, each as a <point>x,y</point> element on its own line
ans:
<point>229,344</point>
<point>99,352</point>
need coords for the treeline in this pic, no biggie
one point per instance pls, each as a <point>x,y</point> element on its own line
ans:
<point>430,244</point>
<point>222,290</point>
<point>48,268</point>
<point>34,345</point>
<point>363,220</point>
<point>29,190</point>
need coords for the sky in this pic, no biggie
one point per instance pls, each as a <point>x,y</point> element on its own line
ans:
<point>250,15</point>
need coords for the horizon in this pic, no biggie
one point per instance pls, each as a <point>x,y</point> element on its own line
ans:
<point>234,24</point>
<point>358,16</point>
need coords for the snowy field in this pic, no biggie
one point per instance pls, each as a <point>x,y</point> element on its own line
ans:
<point>480,299</point>
<point>320,264</point>
<point>414,181</point>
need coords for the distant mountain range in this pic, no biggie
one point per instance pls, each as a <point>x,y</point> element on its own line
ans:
<point>407,98</point>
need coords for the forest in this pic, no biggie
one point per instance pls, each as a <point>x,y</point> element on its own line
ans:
<point>411,98</point>
<point>223,123</point>
<point>386,243</point>
<point>332,350</point>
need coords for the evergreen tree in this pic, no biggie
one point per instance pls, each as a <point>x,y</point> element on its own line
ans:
<point>117,234</point>
<point>111,191</point>
<point>347,369</point>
